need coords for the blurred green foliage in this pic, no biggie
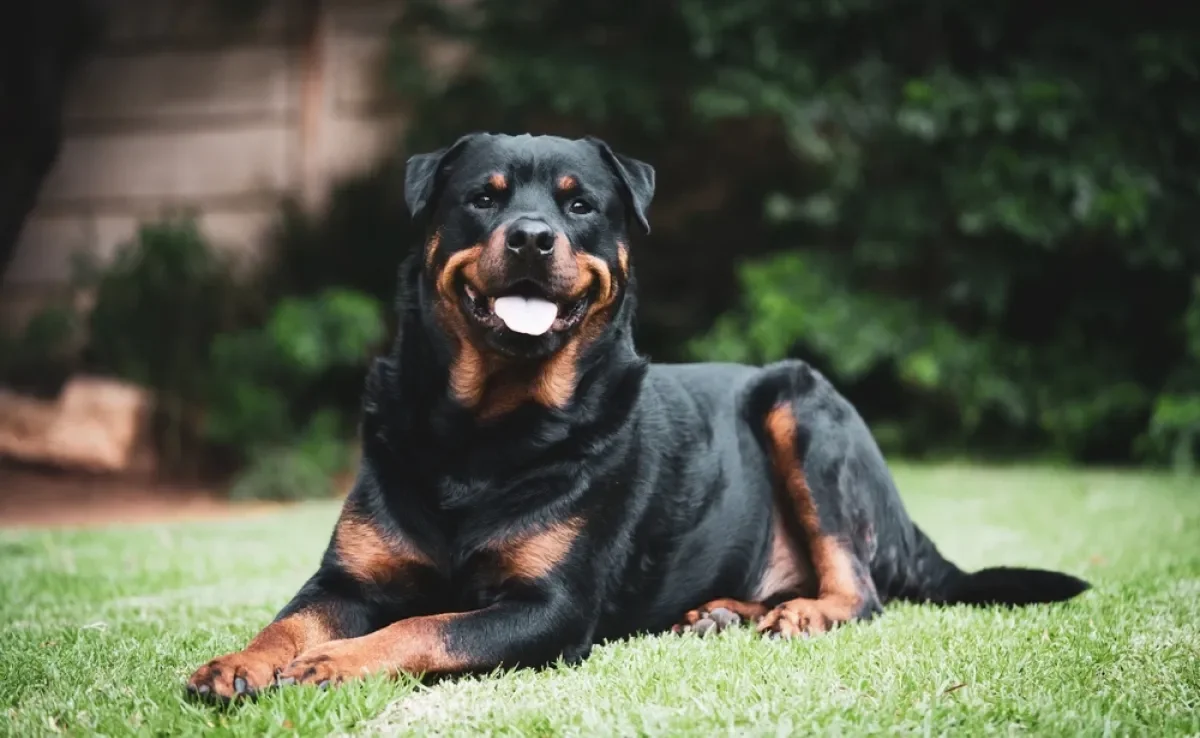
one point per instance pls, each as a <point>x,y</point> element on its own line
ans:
<point>37,359</point>
<point>159,304</point>
<point>357,240</point>
<point>977,219</point>
<point>300,469</point>
<point>245,366</point>
<point>264,382</point>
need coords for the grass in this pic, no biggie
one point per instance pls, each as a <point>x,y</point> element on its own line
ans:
<point>101,627</point>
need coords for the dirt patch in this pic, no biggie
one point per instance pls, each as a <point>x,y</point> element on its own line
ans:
<point>44,498</point>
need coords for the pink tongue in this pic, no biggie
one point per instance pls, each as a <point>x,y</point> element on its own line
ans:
<point>529,315</point>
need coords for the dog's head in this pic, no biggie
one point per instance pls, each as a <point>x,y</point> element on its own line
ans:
<point>527,252</point>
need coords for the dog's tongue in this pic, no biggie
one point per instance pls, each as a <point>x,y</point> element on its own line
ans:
<point>530,315</point>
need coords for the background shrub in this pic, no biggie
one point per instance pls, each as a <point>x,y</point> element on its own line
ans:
<point>976,218</point>
<point>250,377</point>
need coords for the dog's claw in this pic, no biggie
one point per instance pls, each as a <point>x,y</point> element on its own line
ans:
<point>724,618</point>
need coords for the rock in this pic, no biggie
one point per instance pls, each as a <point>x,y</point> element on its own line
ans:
<point>96,424</point>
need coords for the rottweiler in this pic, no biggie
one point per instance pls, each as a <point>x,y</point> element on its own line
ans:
<point>531,485</point>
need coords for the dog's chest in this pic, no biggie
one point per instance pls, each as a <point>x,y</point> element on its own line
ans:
<point>484,552</point>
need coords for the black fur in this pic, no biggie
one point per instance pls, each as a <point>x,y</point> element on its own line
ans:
<point>667,466</point>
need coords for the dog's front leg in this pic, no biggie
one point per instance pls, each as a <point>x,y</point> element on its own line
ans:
<point>509,633</point>
<point>368,574</point>
<point>316,615</point>
<point>547,607</point>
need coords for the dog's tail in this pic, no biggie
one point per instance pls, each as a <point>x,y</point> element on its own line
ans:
<point>935,579</point>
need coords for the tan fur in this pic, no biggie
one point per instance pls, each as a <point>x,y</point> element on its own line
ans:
<point>469,371</point>
<point>535,555</point>
<point>368,557</point>
<point>486,383</point>
<point>555,384</point>
<point>431,249</point>
<point>411,646</point>
<point>291,635</point>
<point>838,597</point>
<point>272,649</point>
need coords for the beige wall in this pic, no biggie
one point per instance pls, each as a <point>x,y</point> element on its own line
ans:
<point>177,110</point>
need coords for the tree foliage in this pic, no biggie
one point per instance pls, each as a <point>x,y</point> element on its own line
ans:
<point>978,219</point>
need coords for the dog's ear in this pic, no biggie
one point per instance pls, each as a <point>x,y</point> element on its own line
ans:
<point>424,173</point>
<point>636,178</point>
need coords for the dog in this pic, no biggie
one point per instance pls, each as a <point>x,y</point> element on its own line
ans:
<point>531,485</point>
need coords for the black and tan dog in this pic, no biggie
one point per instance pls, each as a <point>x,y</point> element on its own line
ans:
<point>531,486</point>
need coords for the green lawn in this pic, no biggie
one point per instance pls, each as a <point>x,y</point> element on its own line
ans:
<point>100,628</point>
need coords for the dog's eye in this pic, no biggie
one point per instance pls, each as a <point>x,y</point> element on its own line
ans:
<point>580,207</point>
<point>482,201</point>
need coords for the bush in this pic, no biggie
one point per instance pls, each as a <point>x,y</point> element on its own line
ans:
<point>981,227</point>
<point>302,470</point>
<point>1175,424</point>
<point>37,360</point>
<point>232,382</point>
<point>356,243</point>
<point>264,382</point>
<point>265,401</point>
<point>159,305</point>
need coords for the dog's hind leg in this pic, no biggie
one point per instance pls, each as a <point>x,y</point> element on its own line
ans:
<point>816,483</point>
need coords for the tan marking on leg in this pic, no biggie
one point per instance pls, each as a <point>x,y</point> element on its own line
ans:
<point>838,598</point>
<point>412,646</point>
<point>253,668</point>
<point>292,634</point>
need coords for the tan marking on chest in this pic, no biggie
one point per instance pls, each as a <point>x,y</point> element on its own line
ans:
<point>368,556</point>
<point>534,555</point>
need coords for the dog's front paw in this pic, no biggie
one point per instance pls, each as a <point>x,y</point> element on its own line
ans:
<point>702,621</point>
<point>328,664</point>
<point>240,674</point>
<point>718,615</point>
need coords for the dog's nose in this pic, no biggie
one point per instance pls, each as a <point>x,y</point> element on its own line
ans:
<point>530,238</point>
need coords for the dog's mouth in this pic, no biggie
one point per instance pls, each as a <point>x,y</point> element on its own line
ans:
<point>523,308</point>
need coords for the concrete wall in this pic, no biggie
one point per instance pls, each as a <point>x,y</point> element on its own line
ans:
<point>180,109</point>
